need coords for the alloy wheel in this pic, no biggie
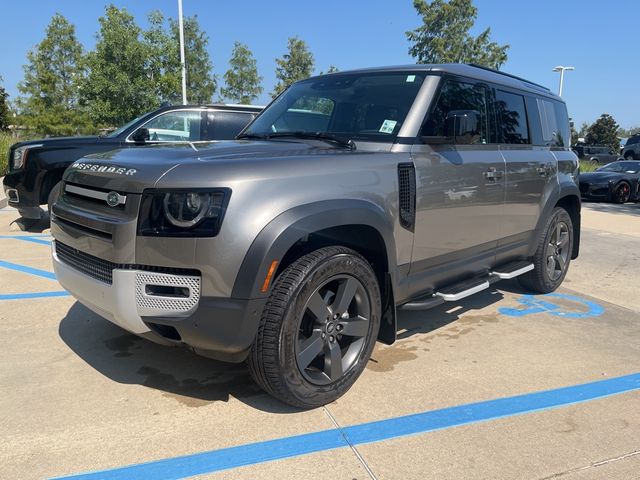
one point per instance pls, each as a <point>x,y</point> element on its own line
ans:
<point>557,252</point>
<point>333,329</point>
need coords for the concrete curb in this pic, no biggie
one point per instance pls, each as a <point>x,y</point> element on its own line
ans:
<point>3,199</point>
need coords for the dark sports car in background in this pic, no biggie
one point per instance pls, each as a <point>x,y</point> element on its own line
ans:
<point>616,182</point>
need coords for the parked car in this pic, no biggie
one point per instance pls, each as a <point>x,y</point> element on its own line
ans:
<point>352,195</point>
<point>36,166</point>
<point>596,153</point>
<point>631,150</point>
<point>617,182</point>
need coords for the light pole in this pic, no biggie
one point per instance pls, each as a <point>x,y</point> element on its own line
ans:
<point>182,62</point>
<point>561,69</point>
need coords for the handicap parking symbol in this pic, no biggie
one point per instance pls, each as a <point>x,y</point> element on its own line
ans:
<point>544,304</point>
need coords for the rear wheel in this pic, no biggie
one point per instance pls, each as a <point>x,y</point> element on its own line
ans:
<point>622,192</point>
<point>629,156</point>
<point>553,255</point>
<point>318,328</point>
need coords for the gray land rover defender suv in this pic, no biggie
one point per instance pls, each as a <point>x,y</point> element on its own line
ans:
<point>353,195</point>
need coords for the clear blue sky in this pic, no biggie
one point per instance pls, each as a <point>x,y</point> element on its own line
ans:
<point>601,39</point>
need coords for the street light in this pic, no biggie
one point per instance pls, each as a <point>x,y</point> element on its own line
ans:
<point>182,62</point>
<point>561,69</point>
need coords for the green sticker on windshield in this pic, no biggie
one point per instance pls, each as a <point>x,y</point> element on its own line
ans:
<point>411,78</point>
<point>388,126</point>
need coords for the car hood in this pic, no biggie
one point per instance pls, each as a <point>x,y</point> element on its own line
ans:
<point>599,177</point>
<point>58,141</point>
<point>132,170</point>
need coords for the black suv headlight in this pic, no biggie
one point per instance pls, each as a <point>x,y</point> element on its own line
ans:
<point>182,212</point>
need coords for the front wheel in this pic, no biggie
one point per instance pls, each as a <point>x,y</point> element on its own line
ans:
<point>622,192</point>
<point>318,328</point>
<point>553,255</point>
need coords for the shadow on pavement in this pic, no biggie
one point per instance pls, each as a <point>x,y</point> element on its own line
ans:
<point>190,379</point>
<point>30,225</point>
<point>615,208</point>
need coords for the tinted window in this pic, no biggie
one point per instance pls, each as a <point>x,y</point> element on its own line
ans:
<point>633,140</point>
<point>176,126</point>
<point>512,117</point>
<point>563,134</point>
<point>359,106</point>
<point>555,123</point>
<point>226,125</point>
<point>454,96</point>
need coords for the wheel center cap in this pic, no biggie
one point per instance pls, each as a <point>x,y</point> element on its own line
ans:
<point>330,327</point>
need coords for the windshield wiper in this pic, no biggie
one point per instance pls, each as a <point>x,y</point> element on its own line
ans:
<point>251,136</point>
<point>329,137</point>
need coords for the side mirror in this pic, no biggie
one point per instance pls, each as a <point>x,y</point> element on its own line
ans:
<point>141,135</point>
<point>463,126</point>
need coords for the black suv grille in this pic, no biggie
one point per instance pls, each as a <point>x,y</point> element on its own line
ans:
<point>88,264</point>
<point>102,270</point>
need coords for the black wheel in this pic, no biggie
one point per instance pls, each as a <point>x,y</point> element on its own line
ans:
<point>553,255</point>
<point>629,156</point>
<point>318,328</point>
<point>621,192</point>
<point>53,196</point>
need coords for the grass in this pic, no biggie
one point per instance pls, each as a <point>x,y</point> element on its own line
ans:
<point>6,140</point>
<point>588,166</point>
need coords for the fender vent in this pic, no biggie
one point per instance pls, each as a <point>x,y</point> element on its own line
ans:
<point>407,194</point>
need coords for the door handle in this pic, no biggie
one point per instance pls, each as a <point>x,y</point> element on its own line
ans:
<point>492,174</point>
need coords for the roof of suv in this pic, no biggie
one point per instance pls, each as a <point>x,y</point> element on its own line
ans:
<point>217,106</point>
<point>466,70</point>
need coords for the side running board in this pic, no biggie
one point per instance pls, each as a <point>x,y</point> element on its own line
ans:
<point>467,288</point>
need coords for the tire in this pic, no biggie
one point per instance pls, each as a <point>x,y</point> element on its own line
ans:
<point>629,156</point>
<point>53,196</point>
<point>291,355</point>
<point>621,192</point>
<point>553,254</point>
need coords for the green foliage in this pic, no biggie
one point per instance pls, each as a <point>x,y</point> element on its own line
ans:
<point>201,83</point>
<point>296,64</point>
<point>6,140</point>
<point>626,133</point>
<point>604,131</point>
<point>163,59</point>
<point>242,82</point>
<point>588,166</point>
<point>49,102</point>
<point>119,86</point>
<point>4,109</point>
<point>444,35</point>
<point>332,69</point>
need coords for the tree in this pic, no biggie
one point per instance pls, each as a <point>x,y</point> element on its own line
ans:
<point>4,109</point>
<point>49,104</point>
<point>444,35</point>
<point>626,133</point>
<point>242,82</point>
<point>119,86</point>
<point>604,131</point>
<point>296,64</point>
<point>332,69</point>
<point>201,83</point>
<point>164,59</point>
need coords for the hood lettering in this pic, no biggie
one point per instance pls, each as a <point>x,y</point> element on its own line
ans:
<point>96,167</point>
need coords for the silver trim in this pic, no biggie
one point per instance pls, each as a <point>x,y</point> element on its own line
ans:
<point>454,297</point>
<point>515,273</point>
<point>96,194</point>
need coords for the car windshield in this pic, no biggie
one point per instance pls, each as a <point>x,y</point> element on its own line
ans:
<point>356,106</point>
<point>118,131</point>
<point>628,167</point>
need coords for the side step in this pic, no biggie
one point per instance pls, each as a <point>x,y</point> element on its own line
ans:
<point>512,270</point>
<point>467,288</point>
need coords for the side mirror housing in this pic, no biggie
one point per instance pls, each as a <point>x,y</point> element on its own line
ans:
<point>463,126</point>
<point>141,135</point>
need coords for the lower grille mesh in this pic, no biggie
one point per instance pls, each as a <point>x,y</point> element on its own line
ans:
<point>102,270</point>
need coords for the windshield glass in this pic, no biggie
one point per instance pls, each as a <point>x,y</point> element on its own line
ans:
<point>118,131</point>
<point>358,106</point>
<point>630,167</point>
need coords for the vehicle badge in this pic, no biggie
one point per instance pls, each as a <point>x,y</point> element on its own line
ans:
<point>113,199</point>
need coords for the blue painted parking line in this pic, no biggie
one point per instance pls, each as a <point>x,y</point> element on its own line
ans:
<point>544,304</point>
<point>280,448</point>
<point>20,296</point>
<point>38,240</point>
<point>29,270</point>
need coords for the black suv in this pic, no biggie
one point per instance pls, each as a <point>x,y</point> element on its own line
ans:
<point>36,166</point>
<point>631,150</point>
<point>600,154</point>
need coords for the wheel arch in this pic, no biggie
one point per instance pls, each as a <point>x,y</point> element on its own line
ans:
<point>357,224</point>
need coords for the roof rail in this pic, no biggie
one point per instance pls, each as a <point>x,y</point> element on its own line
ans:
<point>508,75</point>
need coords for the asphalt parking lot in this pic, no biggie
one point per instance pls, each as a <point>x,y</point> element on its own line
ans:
<point>500,385</point>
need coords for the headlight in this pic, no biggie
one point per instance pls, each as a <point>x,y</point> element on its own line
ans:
<point>20,156</point>
<point>178,213</point>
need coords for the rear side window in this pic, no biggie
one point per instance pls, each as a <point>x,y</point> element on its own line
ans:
<point>456,96</point>
<point>226,125</point>
<point>512,118</point>
<point>555,123</point>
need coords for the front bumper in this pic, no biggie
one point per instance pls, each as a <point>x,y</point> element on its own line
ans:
<point>220,328</point>
<point>26,200</point>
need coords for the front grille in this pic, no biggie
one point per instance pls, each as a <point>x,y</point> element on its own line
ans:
<point>94,267</point>
<point>102,270</point>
